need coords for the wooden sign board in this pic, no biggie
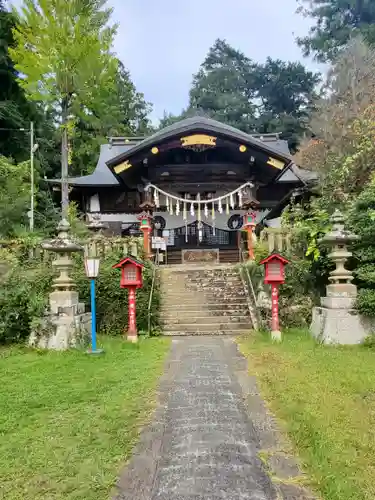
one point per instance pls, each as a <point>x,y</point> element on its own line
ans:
<point>200,256</point>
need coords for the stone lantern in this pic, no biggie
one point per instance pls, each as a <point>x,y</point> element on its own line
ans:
<point>341,291</point>
<point>96,227</point>
<point>336,321</point>
<point>65,324</point>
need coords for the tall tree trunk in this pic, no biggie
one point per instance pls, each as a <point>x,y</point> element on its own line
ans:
<point>64,162</point>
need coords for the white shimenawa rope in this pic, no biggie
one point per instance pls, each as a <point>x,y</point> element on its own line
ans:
<point>198,202</point>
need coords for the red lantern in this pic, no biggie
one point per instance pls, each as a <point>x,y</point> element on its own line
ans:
<point>131,278</point>
<point>274,266</point>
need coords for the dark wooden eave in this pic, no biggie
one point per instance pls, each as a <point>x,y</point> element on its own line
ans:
<point>199,124</point>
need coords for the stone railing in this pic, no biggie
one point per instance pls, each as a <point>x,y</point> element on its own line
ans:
<point>277,239</point>
<point>128,246</point>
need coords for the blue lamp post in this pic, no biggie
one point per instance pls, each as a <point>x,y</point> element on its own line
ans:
<point>92,265</point>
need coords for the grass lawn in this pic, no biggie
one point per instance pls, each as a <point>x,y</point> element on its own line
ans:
<point>325,399</point>
<point>68,421</point>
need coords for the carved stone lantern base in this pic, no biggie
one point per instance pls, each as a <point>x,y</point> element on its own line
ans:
<point>68,328</point>
<point>65,324</point>
<point>340,325</point>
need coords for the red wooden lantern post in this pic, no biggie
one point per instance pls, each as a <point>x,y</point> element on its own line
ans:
<point>131,278</point>
<point>145,219</point>
<point>275,275</point>
<point>249,225</point>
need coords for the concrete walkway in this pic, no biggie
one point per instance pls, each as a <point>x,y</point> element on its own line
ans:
<point>203,442</point>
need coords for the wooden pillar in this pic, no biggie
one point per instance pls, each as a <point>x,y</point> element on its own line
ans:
<point>146,228</point>
<point>249,225</point>
<point>145,218</point>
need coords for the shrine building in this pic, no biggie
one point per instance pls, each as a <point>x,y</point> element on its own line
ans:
<point>197,179</point>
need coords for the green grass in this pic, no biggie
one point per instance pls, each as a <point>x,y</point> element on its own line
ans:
<point>69,421</point>
<point>324,398</point>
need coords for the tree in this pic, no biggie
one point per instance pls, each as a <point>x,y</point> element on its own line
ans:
<point>336,22</point>
<point>130,118</point>
<point>15,110</point>
<point>343,150</point>
<point>275,96</point>
<point>170,118</point>
<point>224,87</point>
<point>63,51</point>
<point>135,110</point>
<point>14,196</point>
<point>287,92</point>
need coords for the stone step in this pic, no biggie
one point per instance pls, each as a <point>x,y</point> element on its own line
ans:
<point>191,306</point>
<point>199,277</point>
<point>196,308</point>
<point>227,331</point>
<point>209,298</point>
<point>189,278</point>
<point>197,274</point>
<point>202,291</point>
<point>204,312</point>
<point>204,320</point>
<point>196,328</point>
<point>199,297</point>
<point>201,286</point>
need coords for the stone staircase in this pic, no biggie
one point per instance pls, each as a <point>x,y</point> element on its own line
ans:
<point>203,300</point>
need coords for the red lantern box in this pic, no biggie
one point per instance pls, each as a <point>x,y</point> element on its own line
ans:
<point>275,275</point>
<point>274,269</point>
<point>131,278</point>
<point>131,272</point>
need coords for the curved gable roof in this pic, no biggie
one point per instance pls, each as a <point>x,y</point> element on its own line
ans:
<point>199,123</point>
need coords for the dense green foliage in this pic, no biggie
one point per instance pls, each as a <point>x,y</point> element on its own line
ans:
<point>83,77</point>
<point>362,220</point>
<point>14,196</point>
<point>128,118</point>
<point>25,287</point>
<point>112,301</point>
<point>75,79</point>
<point>276,96</point>
<point>336,22</point>
<point>15,110</point>
<point>343,155</point>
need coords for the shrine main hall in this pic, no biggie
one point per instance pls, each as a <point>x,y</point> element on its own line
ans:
<point>199,181</point>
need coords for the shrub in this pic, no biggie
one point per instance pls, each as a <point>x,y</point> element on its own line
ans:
<point>369,341</point>
<point>112,301</point>
<point>260,251</point>
<point>362,222</point>
<point>23,296</point>
<point>366,301</point>
<point>25,288</point>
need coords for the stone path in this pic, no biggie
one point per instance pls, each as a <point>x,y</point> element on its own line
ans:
<point>204,441</point>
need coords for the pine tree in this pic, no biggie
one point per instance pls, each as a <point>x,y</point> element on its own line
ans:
<point>336,22</point>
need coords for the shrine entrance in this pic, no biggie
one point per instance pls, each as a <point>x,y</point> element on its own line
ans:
<point>202,235</point>
<point>199,242</point>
